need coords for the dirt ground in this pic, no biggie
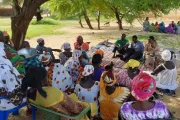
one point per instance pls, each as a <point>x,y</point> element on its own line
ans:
<point>108,33</point>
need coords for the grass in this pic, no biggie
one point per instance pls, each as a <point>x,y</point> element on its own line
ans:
<point>46,26</point>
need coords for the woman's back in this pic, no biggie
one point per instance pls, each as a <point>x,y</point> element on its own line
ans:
<point>158,111</point>
<point>97,73</point>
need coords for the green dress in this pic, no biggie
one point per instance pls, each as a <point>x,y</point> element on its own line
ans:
<point>17,60</point>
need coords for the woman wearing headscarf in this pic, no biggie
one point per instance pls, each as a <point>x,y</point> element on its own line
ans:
<point>41,95</point>
<point>10,84</point>
<point>125,76</point>
<point>143,86</point>
<point>85,58</point>
<point>150,50</point>
<point>100,52</point>
<point>64,56</point>
<point>98,69</point>
<point>16,60</point>
<point>170,29</point>
<point>146,24</point>
<point>110,95</point>
<point>178,28</point>
<point>157,26</point>
<point>166,74</point>
<point>86,88</point>
<point>162,27</point>
<point>73,64</point>
<point>78,43</point>
<point>57,75</point>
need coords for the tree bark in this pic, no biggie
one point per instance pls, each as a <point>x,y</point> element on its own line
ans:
<point>80,22</point>
<point>98,20</point>
<point>20,22</point>
<point>87,20</point>
<point>119,20</point>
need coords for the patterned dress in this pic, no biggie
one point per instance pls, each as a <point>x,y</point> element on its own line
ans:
<point>158,111</point>
<point>89,95</point>
<point>124,79</point>
<point>58,77</point>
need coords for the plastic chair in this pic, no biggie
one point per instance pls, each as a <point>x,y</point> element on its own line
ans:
<point>5,113</point>
<point>48,114</point>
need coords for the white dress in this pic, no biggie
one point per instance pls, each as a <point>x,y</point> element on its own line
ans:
<point>167,79</point>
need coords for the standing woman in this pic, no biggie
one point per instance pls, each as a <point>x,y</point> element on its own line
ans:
<point>64,56</point>
<point>125,76</point>
<point>146,24</point>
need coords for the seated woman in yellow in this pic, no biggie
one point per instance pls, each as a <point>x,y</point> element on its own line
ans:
<point>37,94</point>
<point>111,97</point>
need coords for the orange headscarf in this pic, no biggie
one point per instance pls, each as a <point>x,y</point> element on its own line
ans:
<point>99,51</point>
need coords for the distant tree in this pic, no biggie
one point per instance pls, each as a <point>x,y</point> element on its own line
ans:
<point>65,8</point>
<point>24,10</point>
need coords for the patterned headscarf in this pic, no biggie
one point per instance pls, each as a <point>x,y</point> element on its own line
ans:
<point>66,46</point>
<point>143,86</point>
<point>132,64</point>
<point>100,52</point>
<point>88,70</point>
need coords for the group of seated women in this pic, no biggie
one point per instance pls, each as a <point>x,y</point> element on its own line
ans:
<point>172,28</point>
<point>77,82</point>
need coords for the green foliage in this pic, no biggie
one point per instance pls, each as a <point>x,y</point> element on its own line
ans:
<point>45,21</point>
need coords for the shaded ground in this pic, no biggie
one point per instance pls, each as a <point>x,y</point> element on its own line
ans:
<point>111,33</point>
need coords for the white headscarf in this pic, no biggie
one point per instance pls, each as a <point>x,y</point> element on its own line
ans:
<point>3,59</point>
<point>166,55</point>
<point>66,46</point>
<point>88,70</point>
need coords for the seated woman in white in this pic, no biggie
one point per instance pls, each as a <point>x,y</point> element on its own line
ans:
<point>166,74</point>
<point>10,84</point>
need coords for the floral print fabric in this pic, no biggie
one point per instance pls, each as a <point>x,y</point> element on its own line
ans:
<point>158,111</point>
<point>73,64</point>
<point>89,95</point>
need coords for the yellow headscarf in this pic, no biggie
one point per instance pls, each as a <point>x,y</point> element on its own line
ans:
<point>132,64</point>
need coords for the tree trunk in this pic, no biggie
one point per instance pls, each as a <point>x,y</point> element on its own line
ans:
<point>80,22</point>
<point>119,20</point>
<point>20,22</point>
<point>87,20</point>
<point>98,20</point>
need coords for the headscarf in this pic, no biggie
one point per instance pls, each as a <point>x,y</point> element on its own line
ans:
<point>132,64</point>
<point>143,86</point>
<point>28,52</point>
<point>40,40</point>
<point>99,51</point>
<point>45,57</point>
<point>66,46</point>
<point>3,59</point>
<point>88,70</point>
<point>79,38</point>
<point>96,59</point>
<point>34,78</point>
<point>166,55</point>
<point>85,47</point>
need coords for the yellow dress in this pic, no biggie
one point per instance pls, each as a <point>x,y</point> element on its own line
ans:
<point>57,101</point>
<point>110,104</point>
